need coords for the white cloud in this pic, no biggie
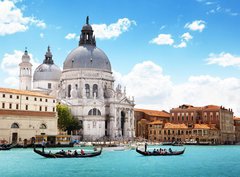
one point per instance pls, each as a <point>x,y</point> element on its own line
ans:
<point>183,44</point>
<point>71,36</point>
<point>186,36</point>
<point>10,66</point>
<point>197,25</point>
<point>223,59</point>
<point>13,21</point>
<point>163,39</point>
<point>41,35</point>
<point>103,31</point>
<point>153,89</point>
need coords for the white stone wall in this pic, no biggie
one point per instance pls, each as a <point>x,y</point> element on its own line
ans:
<point>108,101</point>
<point>29,127</point>
<point>43,84</point>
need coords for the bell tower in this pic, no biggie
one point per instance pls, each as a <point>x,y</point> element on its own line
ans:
<point>25,72</point>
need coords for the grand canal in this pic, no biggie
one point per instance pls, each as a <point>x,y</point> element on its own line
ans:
<point>204,161</point>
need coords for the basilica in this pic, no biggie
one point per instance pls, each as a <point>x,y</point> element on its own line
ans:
<point>86,86</point>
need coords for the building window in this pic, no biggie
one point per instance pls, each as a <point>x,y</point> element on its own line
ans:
<point>87,88</point>
<point>53,109</point>
<point>3,95</point>
<point>49,85</point>
<point>45,108</point>
<point>40,99</point>
<point>35,99</point>
<point>26,98</point>
<point>16,106</point>
<point>10,96</point>
<point>94,112</point>
<point>10,105</point>
<point>46,100</point>
<point>17,97</point>
<point>14,125</point>
<point>26,107</point>
<point>95,90</point>
<point>94,124</point>
<point>53,101</point>
<point>3,105</point>
<point>43,126</point>
<point>40,108</point>
<point>69,90</point>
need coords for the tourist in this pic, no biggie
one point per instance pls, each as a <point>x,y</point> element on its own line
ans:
<point>170,150</point>
<point>82,152</point>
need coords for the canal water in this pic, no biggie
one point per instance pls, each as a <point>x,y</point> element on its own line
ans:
<point>197,161</point>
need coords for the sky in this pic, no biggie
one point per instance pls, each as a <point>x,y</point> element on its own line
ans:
<point>165,52</point>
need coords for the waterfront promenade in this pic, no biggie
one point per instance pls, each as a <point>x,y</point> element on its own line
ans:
<point>203,161</point>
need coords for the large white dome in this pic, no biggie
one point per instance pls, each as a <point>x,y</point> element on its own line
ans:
<point>87,56</point>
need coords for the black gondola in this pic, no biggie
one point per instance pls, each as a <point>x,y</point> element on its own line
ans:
<point>6,147</point>
<point>61,155</point>
<point>160,154</point>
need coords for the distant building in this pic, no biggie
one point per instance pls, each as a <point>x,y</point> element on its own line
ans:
<point>143,117</point>
<point>25,114</point>
<point>208,124</point>
<point>237,128</point>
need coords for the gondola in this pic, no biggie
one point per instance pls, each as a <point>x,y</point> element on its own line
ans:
<point>158,154</point>
<point>6,147</point>
<point>61,155</point>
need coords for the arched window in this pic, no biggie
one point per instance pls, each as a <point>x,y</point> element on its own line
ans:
<point>87,88</point>
<point>43,126</point>
<point>95,90</point>
<point>14,125</point>
<point>69,90</point>
<point>95,112</point>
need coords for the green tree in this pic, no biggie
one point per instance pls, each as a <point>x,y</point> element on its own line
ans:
<point>66,121</point>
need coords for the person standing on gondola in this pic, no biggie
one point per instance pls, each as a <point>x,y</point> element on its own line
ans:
<point>145,147</point>
<point>43,145</point>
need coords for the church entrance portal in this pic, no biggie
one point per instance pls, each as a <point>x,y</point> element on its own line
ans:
<point>122,122</point>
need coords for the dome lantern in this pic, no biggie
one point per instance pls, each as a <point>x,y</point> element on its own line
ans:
<point>86,36</point>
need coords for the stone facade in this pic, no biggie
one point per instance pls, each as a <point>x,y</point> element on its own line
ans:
<point>25,114</point>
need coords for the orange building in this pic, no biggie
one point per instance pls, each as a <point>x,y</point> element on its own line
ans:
<point>216,117</point>
<point>144,116</point>
<point>237,128</point>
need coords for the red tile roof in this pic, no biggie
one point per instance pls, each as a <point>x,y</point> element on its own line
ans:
<point>175,126</point>
<point>201,126</point>
<point>23,92</point>
<point>153,112</point>
<point>156,122</point>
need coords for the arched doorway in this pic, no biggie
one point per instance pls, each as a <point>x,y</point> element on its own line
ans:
<point>122,122</point>
<point>14,128</point>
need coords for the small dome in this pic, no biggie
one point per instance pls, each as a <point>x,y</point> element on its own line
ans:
<point>47,72</point>
<point>87,27</point>
<point>87,56</point>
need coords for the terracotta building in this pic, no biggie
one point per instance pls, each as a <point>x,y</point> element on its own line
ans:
<point>144,116</point>
<point>208,124</point>
<point>237,128</point>
<point>216,117</point>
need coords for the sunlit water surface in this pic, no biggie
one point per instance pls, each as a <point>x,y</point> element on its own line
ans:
<point>200,161</point>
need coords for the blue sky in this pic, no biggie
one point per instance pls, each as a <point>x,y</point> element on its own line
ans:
<point>165,52</point>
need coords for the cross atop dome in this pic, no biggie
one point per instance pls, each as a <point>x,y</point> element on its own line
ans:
<point>87,36</point>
